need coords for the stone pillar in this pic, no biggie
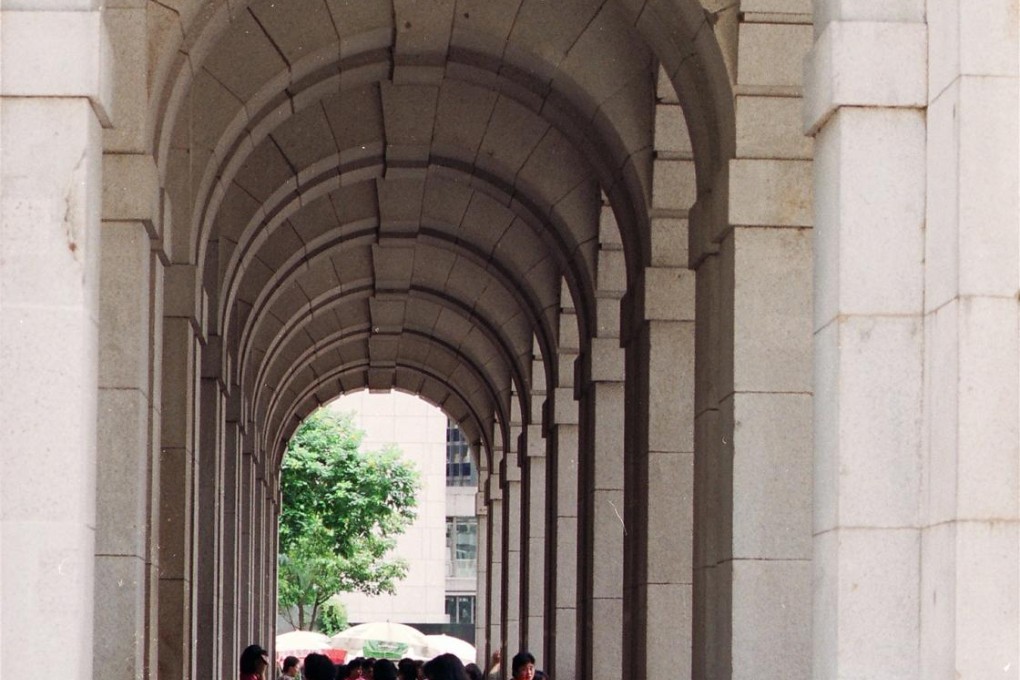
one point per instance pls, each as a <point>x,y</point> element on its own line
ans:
<point>660,468</point>
<point>603,520</point>
<point>533,517</point>
<point>712,483</point>
<point>658,484</point>
<point>767,258</point>
<point>128,418</point>
<point>865,97</point>
<point>494,538</point>
<point>134,253</point>
<point>562,497</point>
<point>751,246</point>
<point>208,552</point>
<point>54,98</point>
<point>155,435</point>
<point>484,653</point>
<point>970,548</point>
<point>533,545</point>
<point>602,528</point>
<point>511,545</point>
<point>231,594</point>
<point>270,614</point>
<point>176,493</point>
<point>246,548</point>
<point>258,554</point>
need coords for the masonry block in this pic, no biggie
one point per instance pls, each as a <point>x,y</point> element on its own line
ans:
<point>869,252</point>
<point>669,294</point>
<point>866,603</point>
<point>673,185</point>
<point>671,136</point>
<point>58,54</point>
<point>770,55</point>
<point>770,127</point>
<point>970,38</point>
<point>771,619</point>
<point>772,461</point>
<point>122,474</point>
<point>865,64</point>
<point>770,193</point>
<point>772,309</point>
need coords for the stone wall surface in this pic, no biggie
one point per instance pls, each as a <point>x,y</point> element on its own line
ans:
<point>723,294</point>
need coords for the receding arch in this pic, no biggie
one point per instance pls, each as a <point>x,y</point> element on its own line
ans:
<point>365,235</point>
<point>427,390</point>
<point>679,33</point>
<point>517,366</point>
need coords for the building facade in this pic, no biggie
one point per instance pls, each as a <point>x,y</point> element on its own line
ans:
<point>723,295</point>
<point>418,429</point>
<point>440,546</point>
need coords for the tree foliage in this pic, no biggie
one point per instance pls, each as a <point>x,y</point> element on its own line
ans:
<point>342,510</point>
<point>333,617</point>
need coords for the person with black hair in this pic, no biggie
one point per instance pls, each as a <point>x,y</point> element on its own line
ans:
<point>384,669</point>
<point>522,666</point>
<point>473,671</point>
<point>406,670</point>
<point>318,667</point>
<point>254,662</point>
<point>445,667</point>
<point>290,668</point>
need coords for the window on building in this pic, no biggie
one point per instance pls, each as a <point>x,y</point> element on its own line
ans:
<point>460,608</point>
<point>460,471</point>
<point>461,547</point>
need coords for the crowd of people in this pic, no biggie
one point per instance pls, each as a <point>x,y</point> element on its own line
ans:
<point>255,663</point>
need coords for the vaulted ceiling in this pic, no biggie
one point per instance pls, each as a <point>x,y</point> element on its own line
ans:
<point>398,194</point>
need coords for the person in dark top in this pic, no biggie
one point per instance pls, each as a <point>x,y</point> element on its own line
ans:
<point>406,670</point>
<point>254,662</point>
<point>445,667</point>
<point>383,669</point>
<point>473,671</point>
<point>318,667</point>
<point>522,666</point>
<point>290,668</point>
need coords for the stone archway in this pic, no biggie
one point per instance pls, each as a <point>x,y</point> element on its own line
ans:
<point>164,214</point>
<point>459,178</point>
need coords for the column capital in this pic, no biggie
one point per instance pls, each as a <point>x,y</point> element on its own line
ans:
<point>58,54</point>
<point>185,298</point>
<point>131,191</point>
<point>868,64</point>
<point>607,360</point>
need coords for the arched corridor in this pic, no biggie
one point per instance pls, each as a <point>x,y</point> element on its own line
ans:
<point>744,404</point>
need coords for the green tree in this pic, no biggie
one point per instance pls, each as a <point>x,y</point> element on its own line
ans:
<point>342,510</point>
<point>333,617</point>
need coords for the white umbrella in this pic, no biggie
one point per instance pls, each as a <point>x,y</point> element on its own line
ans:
<point>301,643</point>
<point>382,640</point>
<point>446,644</point>
<point>301,640</point>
